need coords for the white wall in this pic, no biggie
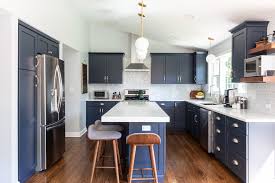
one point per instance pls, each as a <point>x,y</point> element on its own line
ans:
<point>55,18</point>
<point>8,97</point>
<point>106,39</point>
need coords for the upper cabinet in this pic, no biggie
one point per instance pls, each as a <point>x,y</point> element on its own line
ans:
<point>171,68</point>
<point>244,37</point>
<point>105,68</point>
<point>200,68</point>
<point>46,46</point>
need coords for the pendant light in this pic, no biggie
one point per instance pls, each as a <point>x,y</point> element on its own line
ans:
<point>141,43</point>
<point>210,57</point>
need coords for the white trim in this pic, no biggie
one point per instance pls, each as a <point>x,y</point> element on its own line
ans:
<point>76,134</point>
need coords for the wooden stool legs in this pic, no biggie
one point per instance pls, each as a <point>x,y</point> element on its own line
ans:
<point>153,164</point>
<point>97,155</point>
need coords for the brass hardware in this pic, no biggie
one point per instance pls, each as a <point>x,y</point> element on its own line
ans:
<point>141,4</point>
<point>140,14</point>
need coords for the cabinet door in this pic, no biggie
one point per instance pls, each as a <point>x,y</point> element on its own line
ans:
<point>172,63</point>
<point>53,49</point>
<point>238,54</point>
<point>114,68</point>
<point>189,119</point>
<point>26,124</point>
<point>186,69</point>
<point>97,68</point>
<point>42,45</point>
<point>27,48</point>
<point>180,116</point>
<point>93,113</point>
<point>157,69</point>
<point>169,109</point>
<point>200,67</point>
<point>196,125</point>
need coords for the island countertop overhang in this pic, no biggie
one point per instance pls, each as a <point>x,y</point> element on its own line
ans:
<point>136,111</point>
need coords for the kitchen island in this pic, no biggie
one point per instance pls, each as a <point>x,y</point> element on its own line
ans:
<point>141,117</point>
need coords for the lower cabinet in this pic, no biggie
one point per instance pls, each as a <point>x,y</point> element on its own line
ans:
<point>169,108</point>
<point>193,121</point>
<point>95,109</point>
<point>230,144</point>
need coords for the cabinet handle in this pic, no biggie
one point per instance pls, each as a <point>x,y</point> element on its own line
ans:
<point>163,104</point>
<point>102,110</point>
<point>195,78</point>
<point>101,103</point>
<point>235,140</point>
<point>104,78</point>
<point>107,77</point>
<point>50,52</point>
<point>99,110</point>
<point>164,78</point>
<point>195,118</point>
<point>235,125</point>
<point>180,79</point>
<point>218,131</point>
<point>218,149</point>
<point>218,118</point>
<point>235,162</point>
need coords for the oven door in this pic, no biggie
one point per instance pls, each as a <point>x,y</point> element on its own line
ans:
<point>251,68</point>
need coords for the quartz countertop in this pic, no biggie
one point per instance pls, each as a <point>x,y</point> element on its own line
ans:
<point>245,115</point>
<point>103,100</point>
<point>136,111</point>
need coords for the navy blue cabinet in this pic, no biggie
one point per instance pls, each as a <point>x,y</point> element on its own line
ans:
<point>180,116</point>
<point>30,43</point>
<point>95,109</point>
<point>200,68</point>
<point>172,68</point>
<point>168,107</point>
<point>105,68</point>
<point>193,121</point>
<point>244,37</point>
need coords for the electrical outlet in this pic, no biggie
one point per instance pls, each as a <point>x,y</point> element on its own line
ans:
<point>268,106</point>
<point>146,128</point>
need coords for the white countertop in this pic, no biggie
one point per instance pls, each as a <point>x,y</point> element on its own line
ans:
<point>136,111</point>
<point>245,115</point>
<point>103,100</point>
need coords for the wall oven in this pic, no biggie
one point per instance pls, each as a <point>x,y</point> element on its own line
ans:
<point>259,65</point>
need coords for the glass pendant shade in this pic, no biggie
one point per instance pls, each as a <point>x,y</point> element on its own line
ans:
<point>210,58</point>
<point>142,45</point>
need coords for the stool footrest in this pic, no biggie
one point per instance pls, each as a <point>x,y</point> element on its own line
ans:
<point>140,169</point>
<point>105,167</point>
<point>143,178</point>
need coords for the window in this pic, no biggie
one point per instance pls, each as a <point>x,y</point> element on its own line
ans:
<point>219,76</point>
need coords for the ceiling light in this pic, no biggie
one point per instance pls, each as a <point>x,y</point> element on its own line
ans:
<point>210,57</point>
<point>141,44</point>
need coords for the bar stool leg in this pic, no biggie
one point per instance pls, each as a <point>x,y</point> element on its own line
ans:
<point>116,161</point>
<point>94,160</point>
<point>132,161</point>
<point>153,162</point>
<point>118,157</point>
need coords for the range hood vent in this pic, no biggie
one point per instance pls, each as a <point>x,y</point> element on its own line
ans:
<point>135,65</point>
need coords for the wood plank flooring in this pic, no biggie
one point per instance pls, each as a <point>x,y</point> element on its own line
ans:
<point>186,163</point>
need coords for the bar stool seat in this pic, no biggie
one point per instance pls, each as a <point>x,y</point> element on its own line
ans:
<point>104,136</point>
<point>143,139</point>
<point>101,127</point>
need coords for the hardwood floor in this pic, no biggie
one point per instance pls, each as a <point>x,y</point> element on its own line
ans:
<point>186,163</point>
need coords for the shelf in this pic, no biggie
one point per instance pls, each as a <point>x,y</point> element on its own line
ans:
<point>261,49</point>
<point>258,79</point>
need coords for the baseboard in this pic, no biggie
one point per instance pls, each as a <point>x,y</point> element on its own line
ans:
<point>76,134</point>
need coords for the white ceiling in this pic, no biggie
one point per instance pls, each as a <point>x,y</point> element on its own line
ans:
<point>185,23</point>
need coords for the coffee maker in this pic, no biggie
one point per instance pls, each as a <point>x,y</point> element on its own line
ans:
<point>229,97</point>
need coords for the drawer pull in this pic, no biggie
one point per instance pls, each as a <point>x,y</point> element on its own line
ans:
<point>162,104</point>
<point>218,118</point>
<point>235,162</point>
<point>235,140</point>
<point>101,103</point>
<point>218,131</point>
<point>218,149</point>
<point>235,125</point>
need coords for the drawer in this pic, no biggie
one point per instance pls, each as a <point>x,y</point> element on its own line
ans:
<point>237,164</point>
<point>237,143</point>
<point>100,103</point>
<point>219,152</point>
<point>164,104</point>
<point>235,125</point>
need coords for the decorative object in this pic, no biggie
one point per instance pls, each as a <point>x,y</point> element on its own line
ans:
<point>141,43</point>
<point>84,79</point>
<point>210,57</point>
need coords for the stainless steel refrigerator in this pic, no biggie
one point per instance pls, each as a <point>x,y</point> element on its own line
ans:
<point>50,111</point>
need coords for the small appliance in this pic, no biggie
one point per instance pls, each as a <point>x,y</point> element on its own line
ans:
<point>101,94</point>
<point>259,65</point>
<point>229,97</point>
<point>136,94</point>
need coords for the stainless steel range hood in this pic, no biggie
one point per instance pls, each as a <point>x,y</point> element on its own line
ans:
<point>135,65</point>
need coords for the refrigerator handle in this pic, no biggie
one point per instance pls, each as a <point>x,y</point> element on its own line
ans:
<point>60,85</point>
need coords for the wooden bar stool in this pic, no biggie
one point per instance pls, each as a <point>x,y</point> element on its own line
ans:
<point>105,136</point>
<point>100,127</point>
<point>143,139</point>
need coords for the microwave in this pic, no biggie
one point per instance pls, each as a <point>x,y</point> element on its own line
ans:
<point>259,65</point>
<point>101,94</point>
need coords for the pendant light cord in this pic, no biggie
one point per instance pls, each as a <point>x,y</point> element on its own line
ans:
<point>142,23</point>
